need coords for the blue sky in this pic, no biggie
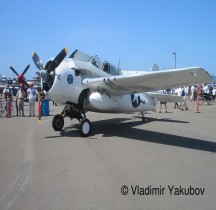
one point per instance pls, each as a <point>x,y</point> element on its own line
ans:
<point>138,32</point>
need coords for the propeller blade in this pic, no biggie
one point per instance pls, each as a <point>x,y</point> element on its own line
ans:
<point>57,60</point>
<point>37,61</point>
<point>14,71</point>
<point>26,69</point>
<point>26,84</point>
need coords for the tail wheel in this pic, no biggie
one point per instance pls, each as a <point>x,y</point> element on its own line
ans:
<point>84,127</point>
<point>58,122</point>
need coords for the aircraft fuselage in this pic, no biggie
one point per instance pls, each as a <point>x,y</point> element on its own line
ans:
<point>67,88</point>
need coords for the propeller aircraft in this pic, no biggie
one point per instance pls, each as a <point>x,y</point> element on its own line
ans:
<point>20,77</point>
<point>85,83</point>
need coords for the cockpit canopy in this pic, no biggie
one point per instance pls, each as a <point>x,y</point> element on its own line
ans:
<point>95,60</point>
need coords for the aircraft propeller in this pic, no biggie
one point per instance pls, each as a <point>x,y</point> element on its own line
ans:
<point>44,72</point>
<point>21,78</point>
<point>57,60</point>
<point>53,65</point>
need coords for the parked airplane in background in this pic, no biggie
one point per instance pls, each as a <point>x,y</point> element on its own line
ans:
<point>84,83</point>
<point>20,77</point>
<point>4,81</point>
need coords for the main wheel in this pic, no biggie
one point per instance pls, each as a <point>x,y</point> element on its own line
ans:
<point>58,122</point>
<point>84,127</point>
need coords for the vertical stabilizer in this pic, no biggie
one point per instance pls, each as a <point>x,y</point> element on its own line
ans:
<point>154,67</point>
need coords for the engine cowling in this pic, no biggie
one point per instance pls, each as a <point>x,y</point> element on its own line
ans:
<point>66,87</point>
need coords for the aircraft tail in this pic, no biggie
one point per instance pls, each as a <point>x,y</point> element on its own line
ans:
<point>154,67</point>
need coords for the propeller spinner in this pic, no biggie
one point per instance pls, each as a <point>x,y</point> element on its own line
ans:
<point>21,78</point>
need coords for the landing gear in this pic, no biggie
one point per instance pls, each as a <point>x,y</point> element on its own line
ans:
<point>84,127</point>
<point>58,122</point>
<point>72,111</point>
<point>143,116</point>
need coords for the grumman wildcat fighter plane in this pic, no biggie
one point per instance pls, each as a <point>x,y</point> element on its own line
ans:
<point>84,83</point>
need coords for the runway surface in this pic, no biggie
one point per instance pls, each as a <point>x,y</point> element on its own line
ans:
<point>43,169</point>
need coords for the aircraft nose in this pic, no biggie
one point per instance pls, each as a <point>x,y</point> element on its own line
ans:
<point>20,78</point>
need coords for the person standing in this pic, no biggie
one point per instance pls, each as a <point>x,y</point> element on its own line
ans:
<point>184,95</point>
<point>206,89</point>
<point>32,92</point>
<point>8,92</point>
<point>20,98</point>
<point>165,105</point>
<point>192,93</point>
<point>176,105</point>
<point>17,112</point>
<point>163,102</point>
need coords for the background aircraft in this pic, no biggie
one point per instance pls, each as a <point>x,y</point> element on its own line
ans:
<point>4,81</point>
<point>84,83</point>
<point>20,77</point>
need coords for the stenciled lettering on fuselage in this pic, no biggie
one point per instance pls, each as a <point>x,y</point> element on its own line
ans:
<point>70,79</point>
<point>136,100</point>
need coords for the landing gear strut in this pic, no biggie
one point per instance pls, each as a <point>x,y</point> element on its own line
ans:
<point>143,116</point>
<point>72,111</point>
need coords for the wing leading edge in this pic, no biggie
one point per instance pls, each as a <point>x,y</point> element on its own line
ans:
<point>149,81</point>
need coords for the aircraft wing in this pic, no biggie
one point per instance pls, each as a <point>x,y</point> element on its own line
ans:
<point>149,81</point>
<point>165,97</point>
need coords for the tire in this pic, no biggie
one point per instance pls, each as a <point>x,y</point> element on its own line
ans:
<point>58,122</point>
<point>209,102</point>
<point>84,127</point>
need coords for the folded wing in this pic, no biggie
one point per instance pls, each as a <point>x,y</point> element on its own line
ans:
<point>149,81</point>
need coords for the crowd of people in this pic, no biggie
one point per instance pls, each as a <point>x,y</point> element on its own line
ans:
<point>189,93</point>
<point>31,93</point>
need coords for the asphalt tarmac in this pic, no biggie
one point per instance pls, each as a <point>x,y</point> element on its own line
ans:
<point>168,162</point>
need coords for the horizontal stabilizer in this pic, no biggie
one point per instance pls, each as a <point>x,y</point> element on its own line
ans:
<point>165,97</point>
<point>154,67</point>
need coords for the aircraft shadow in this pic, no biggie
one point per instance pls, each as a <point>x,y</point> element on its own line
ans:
<point>161,120</point>
<point>121,127</point>
<point>128,130</point>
